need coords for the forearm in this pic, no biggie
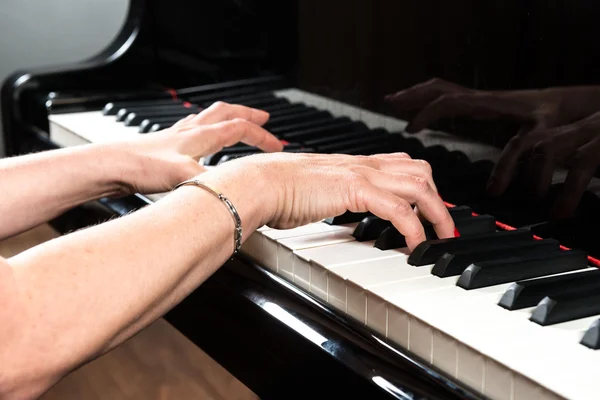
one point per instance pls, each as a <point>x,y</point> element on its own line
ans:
<point>38,187</point>
<point>84,293</point>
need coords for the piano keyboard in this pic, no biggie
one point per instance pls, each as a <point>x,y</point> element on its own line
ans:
<point>475,307</point>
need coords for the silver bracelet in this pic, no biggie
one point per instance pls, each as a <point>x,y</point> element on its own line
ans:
<point>237,240</point>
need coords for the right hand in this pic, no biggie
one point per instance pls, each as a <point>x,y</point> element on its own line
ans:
<point>291,190</point>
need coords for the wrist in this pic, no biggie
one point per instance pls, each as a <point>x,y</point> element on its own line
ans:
<point>248,191</point>
<point>114,166</point>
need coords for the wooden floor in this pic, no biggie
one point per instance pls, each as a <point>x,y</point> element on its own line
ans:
<point>158,363</point>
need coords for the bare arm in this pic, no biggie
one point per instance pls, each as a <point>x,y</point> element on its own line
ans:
<point>73,298</point>
<point>38,187</point>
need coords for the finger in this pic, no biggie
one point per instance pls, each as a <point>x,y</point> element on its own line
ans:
<point>420,168</point>
<point>390,207</point>
<point>578,178</point>
<point>220,111</point>
<point>422,94</point>
<point>213,138</point>
<point>506,166</point>
<point>539,173</point>
<point>184,120</point>
<point>478,105</point>
<point>416,190</point>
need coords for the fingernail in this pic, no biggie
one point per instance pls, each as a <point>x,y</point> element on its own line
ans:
<point>456,233</point>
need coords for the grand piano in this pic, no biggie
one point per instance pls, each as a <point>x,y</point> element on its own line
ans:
<point>338,309</point>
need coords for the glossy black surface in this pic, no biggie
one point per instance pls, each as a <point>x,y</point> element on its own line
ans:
<point>368,54</point>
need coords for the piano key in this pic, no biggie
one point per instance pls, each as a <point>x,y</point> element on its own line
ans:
<point>125,111</point>
<point>370,228</point>
<point>324,129</point>
<point>567,306</point>
<point>515,268</point>
<point>333,138</point>
<point>112,108</point>
<point>303,116</point>
<point>591,337</point>
<point>378,137</point>
<point>346,218</point>
<point>136,118</point>
<point>321,121</point>
<point>429,251</point>
<point>530,292</point>
<point>269,238</point>
<point>482,224</point>
<point>287,248</point>
<point>165,122</point>
<point>453,264</point>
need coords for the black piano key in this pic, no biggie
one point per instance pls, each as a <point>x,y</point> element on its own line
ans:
<point>136,118</point>
<point>453,264</point>
<point>230,157</point>
<point>429,251</point>
<point>113,107</point>
<point>370,227</point>
<point>146,124</point>
<point>514,268</point>
<point>242,149</point>
<point>336,138</point>
<point>123,113</point>
<point>324,130</point>
<point>346,218</point>
<point>390,238</point>
<point>374,137</point>
<point>567,306</point>
<point>591,337</point>
<point>530,292</point>
<point>323,121</point>
<point>310,114</point>
<point>460,212</point>
<point>160,126</point>
<point>268,105</point>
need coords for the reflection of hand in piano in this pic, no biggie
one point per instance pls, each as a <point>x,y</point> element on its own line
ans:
<point>305,188</point>
<point>170,156</point>
<point>548,137</point>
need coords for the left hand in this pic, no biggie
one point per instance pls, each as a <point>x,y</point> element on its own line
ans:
<point>165,158</point>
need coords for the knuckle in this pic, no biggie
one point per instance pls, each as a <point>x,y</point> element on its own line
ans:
<point>403,208</point>
<point>219,105</point>
<point>425,166</point>
<point>543,147</point>
<point>421,185</point>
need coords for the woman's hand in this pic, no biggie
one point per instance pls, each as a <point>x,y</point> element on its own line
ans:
<point>288,190</point>
<point>165,158</point>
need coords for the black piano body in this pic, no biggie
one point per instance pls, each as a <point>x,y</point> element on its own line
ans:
<point>354,52</point>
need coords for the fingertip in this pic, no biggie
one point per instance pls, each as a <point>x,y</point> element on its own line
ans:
<point>262,117</point>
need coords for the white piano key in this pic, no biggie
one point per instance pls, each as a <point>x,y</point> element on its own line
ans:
<point>499,381</point>
<point>270,239</point>
<point>286,247</point>
<point>90,126</point>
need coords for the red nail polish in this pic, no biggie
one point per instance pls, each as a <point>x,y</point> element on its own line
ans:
<point>284,142</point>
<point>456,233</point>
